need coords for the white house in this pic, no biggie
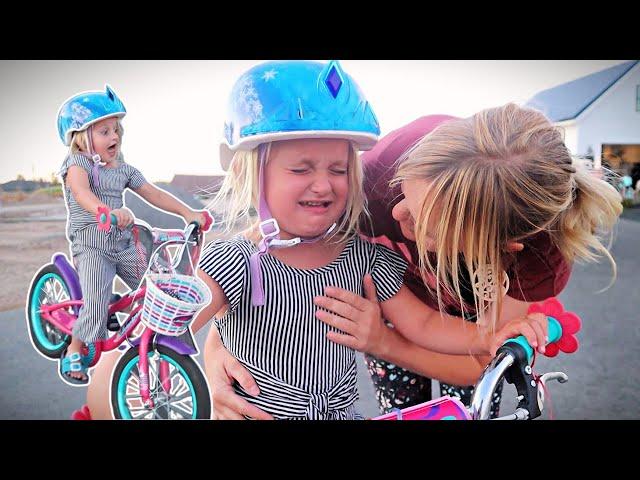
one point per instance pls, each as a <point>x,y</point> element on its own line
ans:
<point>600,114</point>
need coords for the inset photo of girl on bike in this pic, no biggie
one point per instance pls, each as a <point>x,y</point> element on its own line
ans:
<point>320,240</point>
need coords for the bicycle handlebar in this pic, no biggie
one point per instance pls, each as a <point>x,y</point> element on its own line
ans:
<point>103,219</point>
<point>512,362</point>
<point>554,333</point>
<point>104,213</point>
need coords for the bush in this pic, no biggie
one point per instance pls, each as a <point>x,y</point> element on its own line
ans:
<point>54,191</point>
<point>11,197</point>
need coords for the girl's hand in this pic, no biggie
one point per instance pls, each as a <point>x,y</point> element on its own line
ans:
<point>534,328</point>
<point>222,370</point>
<point>199,216</point>
<point>124,215</point>
<point>359,318</point>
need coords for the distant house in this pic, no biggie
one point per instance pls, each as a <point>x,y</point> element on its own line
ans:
<point>199,185</point>
<point>600,115</point>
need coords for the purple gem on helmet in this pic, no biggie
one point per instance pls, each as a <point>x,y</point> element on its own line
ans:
<point>333,81</point>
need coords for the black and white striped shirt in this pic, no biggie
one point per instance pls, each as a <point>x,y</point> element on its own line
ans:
<point>111,185</point>
<point>301,374</point>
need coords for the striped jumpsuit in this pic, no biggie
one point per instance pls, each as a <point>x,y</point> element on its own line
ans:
<point>301,374</point>
<point>99,256</point>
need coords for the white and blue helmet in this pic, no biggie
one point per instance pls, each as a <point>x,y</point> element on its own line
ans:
<point>284,100</point>
<point>85,109</point>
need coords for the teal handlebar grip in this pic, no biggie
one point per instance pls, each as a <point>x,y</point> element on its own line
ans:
<point>114,220</point>
<point>554,333</point>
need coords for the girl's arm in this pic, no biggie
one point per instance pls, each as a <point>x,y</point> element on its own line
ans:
<point>218,305</point>
<point>78,182</point>
<point>167,202</point>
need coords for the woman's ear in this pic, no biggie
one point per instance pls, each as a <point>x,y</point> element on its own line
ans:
<point>515,247</point>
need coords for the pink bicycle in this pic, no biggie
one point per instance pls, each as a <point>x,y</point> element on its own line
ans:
<point>157,376</point>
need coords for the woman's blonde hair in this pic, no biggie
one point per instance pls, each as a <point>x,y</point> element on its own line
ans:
<point>237,199</point>
<point>502,175</point>
<point>80,140</point>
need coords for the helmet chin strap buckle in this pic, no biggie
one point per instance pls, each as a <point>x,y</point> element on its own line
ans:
<point>269,228</point>
<point>270,231</point>
<point>97,159</point>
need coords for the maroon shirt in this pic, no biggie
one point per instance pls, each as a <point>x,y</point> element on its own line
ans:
<point>536,273</point>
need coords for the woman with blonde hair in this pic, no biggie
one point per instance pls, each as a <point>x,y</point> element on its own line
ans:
<point>495,194</point>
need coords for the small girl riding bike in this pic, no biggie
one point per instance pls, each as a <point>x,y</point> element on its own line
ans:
<point>95,176</point>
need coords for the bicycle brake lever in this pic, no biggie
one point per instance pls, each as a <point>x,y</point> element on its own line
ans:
<point>544,379</point>
<point>560,376</point>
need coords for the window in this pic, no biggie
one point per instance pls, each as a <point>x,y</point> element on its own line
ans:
<point>637,98</point>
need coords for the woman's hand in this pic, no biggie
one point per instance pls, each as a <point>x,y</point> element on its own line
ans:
<point>124,215</point>
<point>222,369</point>
<point>359,318</point>
<point>534,327</point>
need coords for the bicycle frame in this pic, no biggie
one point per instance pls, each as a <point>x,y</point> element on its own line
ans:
<point>506,364</point>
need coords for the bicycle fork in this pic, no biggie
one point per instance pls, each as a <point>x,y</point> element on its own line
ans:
<point>143,368</point>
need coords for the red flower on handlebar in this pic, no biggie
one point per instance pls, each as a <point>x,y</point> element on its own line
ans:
<point>569,321</point>
<point>104,219</point>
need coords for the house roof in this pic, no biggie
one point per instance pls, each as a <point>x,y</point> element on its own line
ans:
<point>567,101</point>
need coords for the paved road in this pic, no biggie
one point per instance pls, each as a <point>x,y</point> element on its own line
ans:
<point>604,378</point>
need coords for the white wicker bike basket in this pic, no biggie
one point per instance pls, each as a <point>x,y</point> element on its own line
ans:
<point>171,302</point>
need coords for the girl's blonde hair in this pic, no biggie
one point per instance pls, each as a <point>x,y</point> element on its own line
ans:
<point>502,175</point>
<point>80,140</point>
<point>237,199</point>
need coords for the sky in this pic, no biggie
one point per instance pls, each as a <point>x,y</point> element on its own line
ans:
<point>176,108</point>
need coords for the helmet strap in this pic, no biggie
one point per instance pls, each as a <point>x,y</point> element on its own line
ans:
<point>97,161</point>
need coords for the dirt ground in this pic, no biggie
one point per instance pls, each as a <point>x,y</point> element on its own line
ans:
<point>30,233</point>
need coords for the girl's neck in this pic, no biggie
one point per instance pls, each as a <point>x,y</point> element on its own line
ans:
<point>305,256</point>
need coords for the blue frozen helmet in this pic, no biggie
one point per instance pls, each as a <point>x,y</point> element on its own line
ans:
<point>285,100</point>
<point>87,108</point>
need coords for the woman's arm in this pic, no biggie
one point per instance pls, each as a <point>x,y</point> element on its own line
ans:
<point>415,321</point>
<point>221,368</point>
<point>452,369</point>
<point>448,334</point>
<point>427,328</point>
<point>365,331</point>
